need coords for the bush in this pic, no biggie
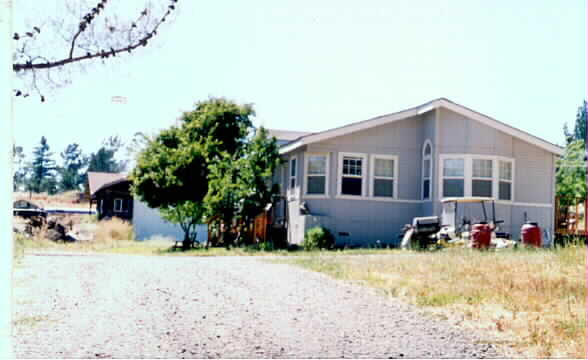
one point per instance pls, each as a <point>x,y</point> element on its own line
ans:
<point>318,238</point>
<point>114,230</point>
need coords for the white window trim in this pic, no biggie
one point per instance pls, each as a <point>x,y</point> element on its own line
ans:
<point>306,175</point>
<point>492,178</point>
<point>442,177</point>
<point>364,177</point>
<point>511,181</point>
<point>118,210</point>
<point>373,177</point>
<point>292,190</point>
<point>430,158</point>
<point>468,171</point>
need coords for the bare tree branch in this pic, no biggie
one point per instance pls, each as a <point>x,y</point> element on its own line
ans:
<point>103,41</point>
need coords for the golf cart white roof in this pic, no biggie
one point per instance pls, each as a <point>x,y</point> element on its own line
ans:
<point>468,199</point>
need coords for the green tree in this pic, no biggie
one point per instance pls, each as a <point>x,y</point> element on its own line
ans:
<point>171,175</point>
<point>42,169</point>
<point>71,176</point>
<point>579,132</point>
<point>207,165</point>
<point>571,174</point>
<point>19,169</point>
<point>240,185</point>
<point>104,160</point>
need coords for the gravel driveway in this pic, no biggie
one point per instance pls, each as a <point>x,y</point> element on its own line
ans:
<point>101,306</point>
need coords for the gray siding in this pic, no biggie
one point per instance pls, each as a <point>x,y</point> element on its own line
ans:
<point>366,221</point>
<point>533,168</point>
<point>296,222</point>
<point>429,125</point>
<point>403,139</point>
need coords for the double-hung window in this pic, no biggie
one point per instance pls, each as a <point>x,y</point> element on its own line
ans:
<point>293,171</point>
<point>427,170</point>
<point>505,180</point>
<point>384,176</point>
<point>352,171</point>
<point>453,177</point>
<point>482,175</point>
<point>316,170</point>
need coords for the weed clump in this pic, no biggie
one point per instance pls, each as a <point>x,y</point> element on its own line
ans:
<point>318,238</point>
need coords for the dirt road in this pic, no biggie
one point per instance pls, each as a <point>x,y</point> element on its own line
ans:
<point>102,306</point>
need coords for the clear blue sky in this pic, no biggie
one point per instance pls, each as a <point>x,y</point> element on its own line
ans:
<point>314,65</point>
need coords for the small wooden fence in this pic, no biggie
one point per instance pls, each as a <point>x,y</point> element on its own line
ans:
<point>571,220</point>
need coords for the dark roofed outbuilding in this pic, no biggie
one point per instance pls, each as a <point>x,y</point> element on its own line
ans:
<point>112,195</point>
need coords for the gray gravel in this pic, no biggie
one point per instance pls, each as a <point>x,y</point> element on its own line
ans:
<point>102,306</point>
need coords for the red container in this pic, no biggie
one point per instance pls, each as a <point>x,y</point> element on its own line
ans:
<point>481,236</point>
<point>531,234</point>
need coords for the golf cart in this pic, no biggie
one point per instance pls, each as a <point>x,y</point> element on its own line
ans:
<point>474,228</point>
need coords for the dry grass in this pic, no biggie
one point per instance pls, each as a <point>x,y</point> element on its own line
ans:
<point>114,230</point>
<point>109,235</point>
<point>69,199</point>
<point>532,301</point>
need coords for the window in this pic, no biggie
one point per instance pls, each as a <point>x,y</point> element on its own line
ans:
<point>316,170</point>
<point>453,177</point>
<point>427,170</point>
<point>482,177</point>
<point>352,171</point>
<point>477,175</point>
<point>505,180</point>
<point>384,176</point>
<point>293,170</point>
<point>118,205</point>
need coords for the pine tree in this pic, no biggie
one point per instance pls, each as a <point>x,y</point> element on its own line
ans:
<point>74,161</point>
<point>42,169</point>
<point>19,170</point>
<point>579,132</point>
<point>104,159</point>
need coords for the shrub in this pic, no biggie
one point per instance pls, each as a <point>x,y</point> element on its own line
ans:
<point>318,238</point>
<point>114,230</point>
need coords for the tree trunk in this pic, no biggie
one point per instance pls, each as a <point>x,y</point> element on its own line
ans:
<point>6,186</point>
<point>186,244</point>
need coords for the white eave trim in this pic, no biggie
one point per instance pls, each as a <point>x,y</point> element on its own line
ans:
<point>431,105</point>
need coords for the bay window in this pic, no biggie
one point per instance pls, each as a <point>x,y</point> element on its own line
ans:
<point>477,176</point>
<point>453,177</point>
<point>505,180</point>
<point>316,170</point>
<point>482,177</point>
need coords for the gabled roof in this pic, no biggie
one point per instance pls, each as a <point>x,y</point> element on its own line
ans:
<point>287,135</point>
<point>418,110</point>
<point>99,180</point>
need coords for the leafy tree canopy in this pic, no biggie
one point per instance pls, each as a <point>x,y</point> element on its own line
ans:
<point>20,171</point>
<point>571,174</point>
<point>211,164</point>
<point>71,176</point>
<point>104,160</point>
